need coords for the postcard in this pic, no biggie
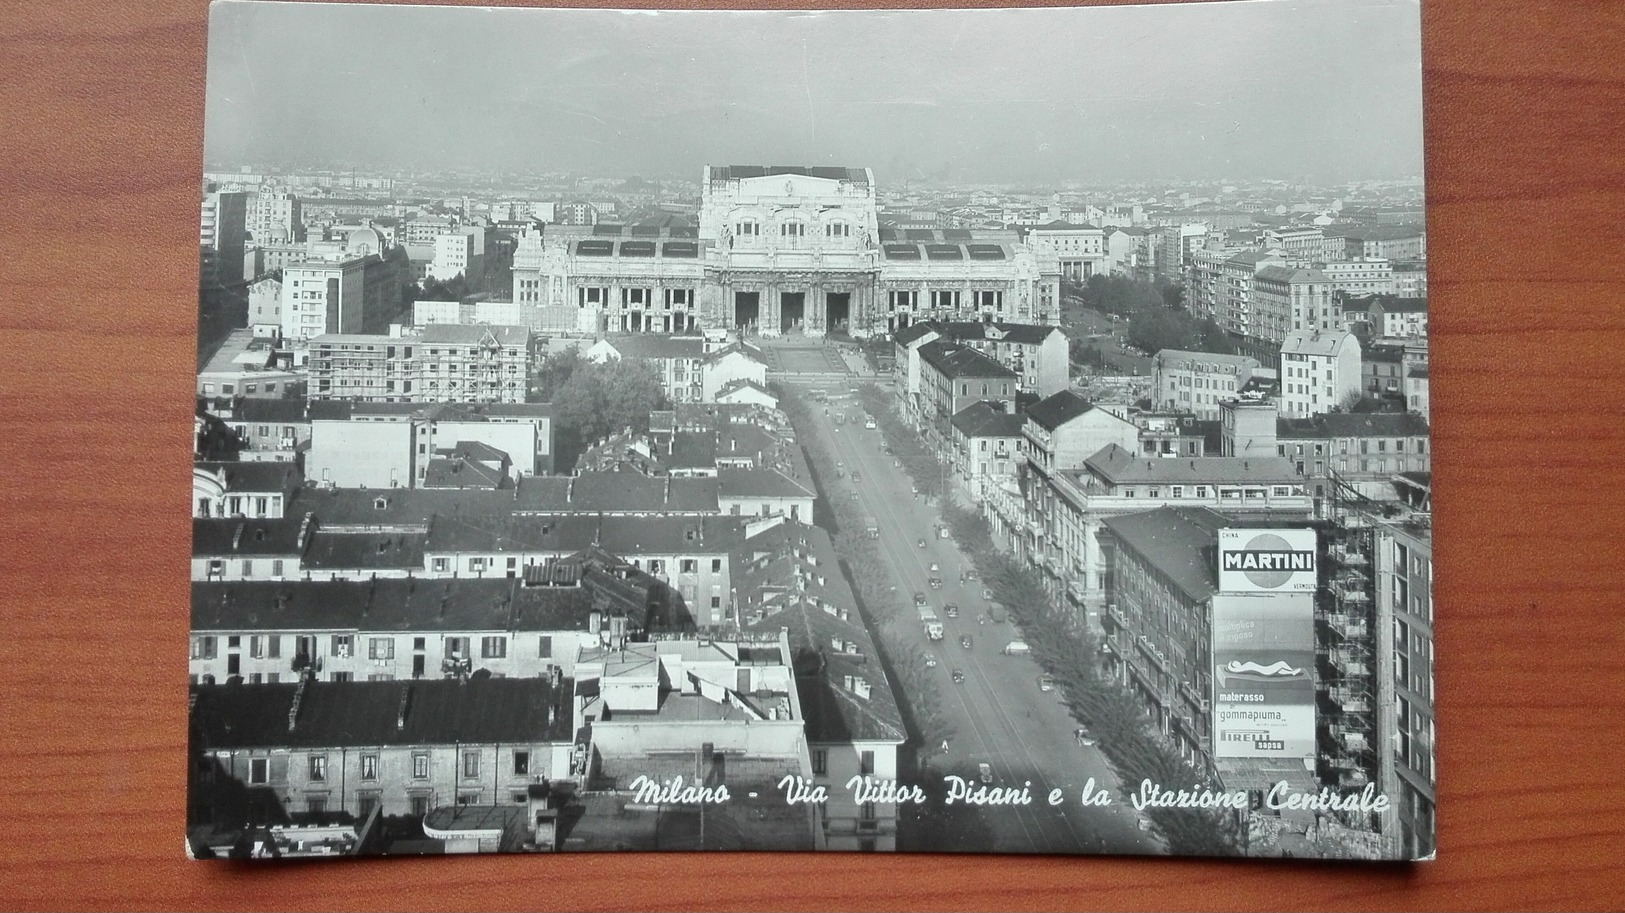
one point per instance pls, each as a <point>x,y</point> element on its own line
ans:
<point>963,430</point>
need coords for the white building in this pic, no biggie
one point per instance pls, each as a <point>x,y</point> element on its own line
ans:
<point>1319,371</point>
<point>1196,382</point>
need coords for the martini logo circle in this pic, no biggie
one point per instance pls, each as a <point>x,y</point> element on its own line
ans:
<point>1266,578</point>
<point>1266,560</point>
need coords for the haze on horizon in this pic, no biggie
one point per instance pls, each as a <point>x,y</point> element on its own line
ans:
<point>1323,89</point>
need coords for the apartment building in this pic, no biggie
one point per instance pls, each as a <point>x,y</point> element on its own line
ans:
<point>436,363</point>
<point>1320,371</point>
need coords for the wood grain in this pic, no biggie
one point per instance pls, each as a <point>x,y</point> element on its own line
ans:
<point>100,151</point>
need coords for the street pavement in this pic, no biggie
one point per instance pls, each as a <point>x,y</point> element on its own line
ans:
<point>1000,716</point>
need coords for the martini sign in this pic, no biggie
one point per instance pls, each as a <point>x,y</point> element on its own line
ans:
<point>1267,561</point>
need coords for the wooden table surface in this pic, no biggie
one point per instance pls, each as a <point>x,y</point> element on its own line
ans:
<point>101,112</point>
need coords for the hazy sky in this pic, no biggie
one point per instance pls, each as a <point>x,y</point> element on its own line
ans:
<point>1328,89</point>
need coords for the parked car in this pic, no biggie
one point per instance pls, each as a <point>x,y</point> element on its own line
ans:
<point>870,424</point>
<point>1045,683</point>
<point>987,593</point>
<point>959,676</point>
<point>1017,648</point>
<point>985,772</point>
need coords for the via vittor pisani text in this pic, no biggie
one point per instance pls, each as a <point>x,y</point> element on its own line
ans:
<point>798,790</point>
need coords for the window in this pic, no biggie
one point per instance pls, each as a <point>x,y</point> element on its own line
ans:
<point>381,648</point>
<point>820,761</point>
<point>866,762</point>
<point>494,647</point>
<point>441,565</point>
<point>315,804</point>
<point>318,768</point>
<point>205,647</point>
<point>420,765</point>
<point>420,806</point>
<point>259,770</point>
<point>471,765</point>
<point>276,567</point>
<point>521,763</point>
<point>342,644</point>
<point>476,565</point>
<point>544,649</point>
<point>716,565</point>
<point>369,767</point>
<point>689,565</point>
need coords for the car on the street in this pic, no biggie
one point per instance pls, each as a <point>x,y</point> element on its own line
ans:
<point>951,610</point>
<point>969,575</point>
<point>922,543</point>
<point>1045,683</point>
<point>919,600</point>
<point>934,582</point>
<point>913,489</point>
<point>964,641</point>
<point>959,676</point>
<point>985,772</point>
<point>897,463</point>
<point>840,464</point>
<point>930,660</point>
<point>857,476</point>
<point>987,593</point>
<point>870,424</point>
<point>853,496</point>
<point>934,567</point>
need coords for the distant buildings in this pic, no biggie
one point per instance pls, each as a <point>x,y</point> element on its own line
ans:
<point>222,233</point>
<point>358,293</point>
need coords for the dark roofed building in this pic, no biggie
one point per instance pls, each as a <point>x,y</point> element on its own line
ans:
<point>953,375</point>
<point>243,489</point>
<point>278,753</point>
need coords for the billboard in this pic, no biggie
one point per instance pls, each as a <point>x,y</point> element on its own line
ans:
<point>1267,560</point>
<point>1264,675</point>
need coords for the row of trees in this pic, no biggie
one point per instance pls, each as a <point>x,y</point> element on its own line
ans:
<point>592,400</point>
<point>1070,655</point>
<point>1123,296</point>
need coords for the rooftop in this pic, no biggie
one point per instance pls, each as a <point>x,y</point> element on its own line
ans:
<point>981,419</point>
<point>739,172</point>
<point>956,361</point>
<point>245,537</point>
<point>315,714</point>
<point>1057,409</point>
<point>1347,424</point>
<point>1117,466</point>
<point>1317,342</point>
<point>651,345</point>
<point>1177,541</point>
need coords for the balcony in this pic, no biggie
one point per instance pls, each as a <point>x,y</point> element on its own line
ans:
<point>1076,593</point>
<point>1189,693</point>
<point>1152,653</point>
<point>1348,625</point>
<point>1116,615</point>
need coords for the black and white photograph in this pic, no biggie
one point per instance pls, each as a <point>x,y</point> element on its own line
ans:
<point>954,430</point>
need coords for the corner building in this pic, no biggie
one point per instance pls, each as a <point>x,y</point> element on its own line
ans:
<point>779,250</point>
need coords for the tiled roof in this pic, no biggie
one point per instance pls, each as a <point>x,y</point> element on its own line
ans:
<point>244,537</point>
<point>1305,342</point>
<point>365,714</point>
<point>955,361</point>
<point>758,483</point>
<point>651,345</point>
<point>253,409</point>
<point>1180,542</point>
<point>255,476</point>
<point>913,331</point>
<point>1057,409</point>
<point>365,551</point>
<point>1348,424</point>
<point>980,419</point>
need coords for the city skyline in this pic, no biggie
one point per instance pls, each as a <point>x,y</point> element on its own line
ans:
<point>1155,93</point>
